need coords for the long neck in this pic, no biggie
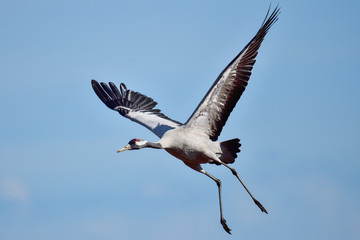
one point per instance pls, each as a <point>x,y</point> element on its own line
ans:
<point>153,145</point>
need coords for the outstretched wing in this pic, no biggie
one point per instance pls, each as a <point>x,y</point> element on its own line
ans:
<point>213,111</point>
<point>134,106</point>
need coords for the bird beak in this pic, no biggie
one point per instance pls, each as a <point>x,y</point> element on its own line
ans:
<point>127,147</point>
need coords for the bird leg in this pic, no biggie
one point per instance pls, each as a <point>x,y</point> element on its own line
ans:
<point>255,201</point>
<point>218,183</point>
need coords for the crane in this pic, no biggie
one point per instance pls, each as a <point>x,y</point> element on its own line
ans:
<point>194,142</point>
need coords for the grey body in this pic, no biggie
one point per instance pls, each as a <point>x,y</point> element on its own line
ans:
<point>190,147</point>
<point>194,142</point>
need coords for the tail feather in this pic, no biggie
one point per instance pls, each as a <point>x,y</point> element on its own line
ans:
<point>230,148</point>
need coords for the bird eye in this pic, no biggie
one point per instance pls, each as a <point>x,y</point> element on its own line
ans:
<point>133,141</point>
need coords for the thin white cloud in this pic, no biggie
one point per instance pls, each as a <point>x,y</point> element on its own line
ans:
<point>14,190</point>
<point>153,189</point>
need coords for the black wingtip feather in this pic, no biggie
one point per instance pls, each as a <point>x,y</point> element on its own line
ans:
<point>123,88</point>
<point>115,90</point>
<point>101,94</point>
<point>270,20</point>
<point>123,100</point>
<point>247,62</point>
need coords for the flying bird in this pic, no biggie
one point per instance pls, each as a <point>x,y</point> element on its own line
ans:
<point>194,142</point>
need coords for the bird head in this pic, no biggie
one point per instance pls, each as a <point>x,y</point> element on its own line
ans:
<point>134,144</point>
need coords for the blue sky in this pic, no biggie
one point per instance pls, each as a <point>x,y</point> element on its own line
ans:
<point>298,120</point>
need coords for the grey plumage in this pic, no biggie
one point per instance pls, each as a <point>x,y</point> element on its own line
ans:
<point>194,142</point>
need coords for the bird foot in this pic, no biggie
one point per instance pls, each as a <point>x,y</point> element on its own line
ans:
<point>225,226</point>
<point>260,206</point>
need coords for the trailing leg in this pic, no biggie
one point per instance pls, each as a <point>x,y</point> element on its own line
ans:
<point>255,201</point>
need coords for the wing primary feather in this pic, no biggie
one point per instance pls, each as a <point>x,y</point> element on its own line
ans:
<point>108,90</point>
<point>215,108</point>
<point>115,90</point>
<point>123,88</point>
<point>135,106</point>
<point>138,100</point>
<point>102,94</point>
